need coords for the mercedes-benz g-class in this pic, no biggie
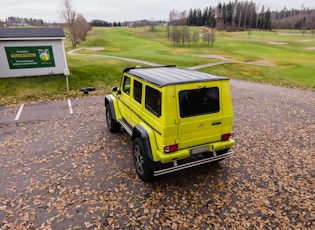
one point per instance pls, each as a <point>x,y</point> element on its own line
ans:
<point>173,115</point>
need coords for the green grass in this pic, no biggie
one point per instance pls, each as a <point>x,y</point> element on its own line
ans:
<point>140,43</point>
<point>288,51</point>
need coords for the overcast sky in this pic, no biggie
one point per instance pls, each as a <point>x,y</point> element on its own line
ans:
<point>124,10</point>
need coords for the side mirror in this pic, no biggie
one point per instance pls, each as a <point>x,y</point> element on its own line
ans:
<point>116,90</point>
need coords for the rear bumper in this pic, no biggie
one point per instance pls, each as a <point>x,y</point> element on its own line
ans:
<point>177,167</point>
<point>186,153</point>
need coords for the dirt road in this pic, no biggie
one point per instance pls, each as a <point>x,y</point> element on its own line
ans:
<point>63,170</point>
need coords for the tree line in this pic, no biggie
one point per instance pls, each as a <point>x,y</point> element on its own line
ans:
<point>17,21</point>
<point>137,23</point>
<point>303,19</point>
<point>245,15</point>
<point>102,23</point>
<point>231,16</point>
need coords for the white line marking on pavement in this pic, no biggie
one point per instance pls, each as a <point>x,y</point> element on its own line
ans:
<point>19,113</point>
<point>70,107</point>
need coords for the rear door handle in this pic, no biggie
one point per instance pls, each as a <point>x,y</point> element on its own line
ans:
<point>216,123</point>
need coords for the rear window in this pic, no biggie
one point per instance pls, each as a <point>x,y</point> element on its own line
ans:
<point>199,101</point>
<point>137,91</point>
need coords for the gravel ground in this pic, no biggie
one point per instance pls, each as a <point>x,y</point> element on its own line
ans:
<point>62,171</point>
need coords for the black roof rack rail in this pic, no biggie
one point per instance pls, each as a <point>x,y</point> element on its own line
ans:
<point>148,67</point>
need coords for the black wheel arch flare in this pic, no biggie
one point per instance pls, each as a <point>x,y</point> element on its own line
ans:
<point>109,101</point>
<point>139,131</point>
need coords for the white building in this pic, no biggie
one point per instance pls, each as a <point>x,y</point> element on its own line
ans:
<point>32,52</point>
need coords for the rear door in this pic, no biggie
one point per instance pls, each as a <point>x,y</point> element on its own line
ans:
<point>199,113</point>
<point>136,102</point>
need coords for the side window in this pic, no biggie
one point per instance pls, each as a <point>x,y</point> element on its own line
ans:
<point>137,91</point>
<point>126,85</point>
<point>153,100</point>
<point>199,101</point>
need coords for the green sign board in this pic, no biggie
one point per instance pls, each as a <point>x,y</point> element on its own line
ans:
<point>30,57</point>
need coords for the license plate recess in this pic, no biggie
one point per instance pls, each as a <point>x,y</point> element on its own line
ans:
<point>199,150</point>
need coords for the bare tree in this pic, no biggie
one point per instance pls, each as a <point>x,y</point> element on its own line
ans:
<point>168,31</point>
<point>184,34</point>
<point>180,31</point>
<point>77,25</point>
<point>152,24</point>
<point>212,37</point>
<point>177,18</point>
<point>68,15</point>
<point>82,27</point>
<point>195,37</point>
<point>208,37</point>
<point>176,34</point>
<point>173,18</point>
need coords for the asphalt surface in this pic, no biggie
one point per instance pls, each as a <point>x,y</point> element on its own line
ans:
<point>63,170</point>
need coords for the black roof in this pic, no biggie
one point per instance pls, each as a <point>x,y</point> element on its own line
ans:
<point>171,75</point>
<point>31,32</point>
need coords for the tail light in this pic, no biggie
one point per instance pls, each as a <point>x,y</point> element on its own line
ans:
<point>226,136</point>
<point>171,148</point>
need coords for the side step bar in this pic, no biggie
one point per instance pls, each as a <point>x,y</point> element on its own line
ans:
<point>191,164</point>
<point>126,126</point>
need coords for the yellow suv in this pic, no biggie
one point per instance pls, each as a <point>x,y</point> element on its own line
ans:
<point>177,118</point>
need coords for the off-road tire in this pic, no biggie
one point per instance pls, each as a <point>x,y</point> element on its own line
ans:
<point>141,161</point>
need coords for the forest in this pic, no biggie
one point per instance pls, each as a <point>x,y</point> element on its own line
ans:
<point>20,21</point>
<point>245,15</point>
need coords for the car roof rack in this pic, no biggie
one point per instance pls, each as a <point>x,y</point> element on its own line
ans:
<point>170,75</point>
